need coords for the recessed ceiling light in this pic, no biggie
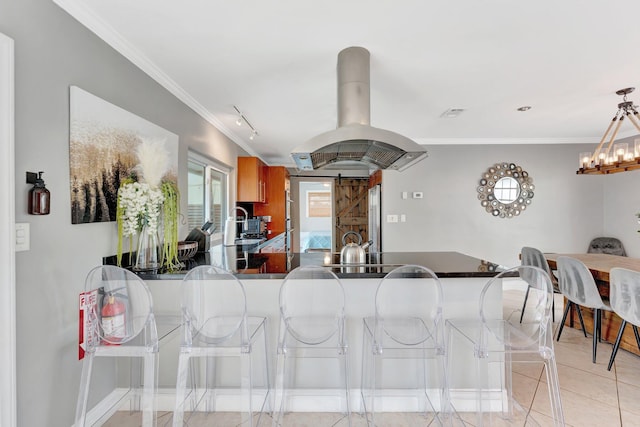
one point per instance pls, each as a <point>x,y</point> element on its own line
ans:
<point>452,113</point>
<point>524,108</point>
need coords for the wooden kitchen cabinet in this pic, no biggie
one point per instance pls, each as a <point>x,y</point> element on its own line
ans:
<point>276,204</point>
<point>252,180</point>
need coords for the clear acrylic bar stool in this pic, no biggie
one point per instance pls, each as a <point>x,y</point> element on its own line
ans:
<point>498,340</point>
<point>407,335</point>
<point>312,325</point>
<point>217,327</point>
<point>122,324</point>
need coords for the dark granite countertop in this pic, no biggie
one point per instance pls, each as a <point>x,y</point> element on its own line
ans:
<point>246,265</point>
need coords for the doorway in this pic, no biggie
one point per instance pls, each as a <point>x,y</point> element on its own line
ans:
<point>8,416</point>
<point>315,215</point>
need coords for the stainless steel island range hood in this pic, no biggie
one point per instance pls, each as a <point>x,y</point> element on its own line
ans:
<point>355,144</point>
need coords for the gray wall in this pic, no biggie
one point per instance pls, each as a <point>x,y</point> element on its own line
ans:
<point>566,211</point>
<point>52,52</point>
<point>621,201</point>
<point>621,204</point>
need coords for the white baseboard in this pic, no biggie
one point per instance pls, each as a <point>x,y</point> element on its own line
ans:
<point>307,400</point>
<point>106,407</point>
<point>466,400</point>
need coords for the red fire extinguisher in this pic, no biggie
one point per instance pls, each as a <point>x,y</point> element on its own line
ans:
<point>113,320</point>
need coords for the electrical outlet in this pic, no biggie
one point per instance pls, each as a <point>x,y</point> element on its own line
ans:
<point>22,236</point>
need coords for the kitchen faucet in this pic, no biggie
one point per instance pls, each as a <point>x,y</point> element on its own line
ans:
<point>245,223</point>
<point>230,226</point>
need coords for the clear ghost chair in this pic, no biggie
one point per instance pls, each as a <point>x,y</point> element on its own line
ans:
<point>535,257</point>
<point>624,295</point>
<point>216,327</point>
<point>120,323</point>
<point>579,287</point>
<point>498,341</point>
<point>407,335</point>
<point>312,325</point>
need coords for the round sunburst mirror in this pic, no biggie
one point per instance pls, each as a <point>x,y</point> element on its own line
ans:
<point>505,190</point>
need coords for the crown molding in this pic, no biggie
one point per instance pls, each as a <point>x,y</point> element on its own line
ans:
<point>505,141</point>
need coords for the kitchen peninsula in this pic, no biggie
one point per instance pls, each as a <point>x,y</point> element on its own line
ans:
<point>250,265</point>
<point>262,274</point>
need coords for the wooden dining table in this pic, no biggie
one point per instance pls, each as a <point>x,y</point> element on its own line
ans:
<point>600,265</point>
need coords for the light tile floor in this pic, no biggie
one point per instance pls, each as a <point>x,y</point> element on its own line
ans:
<point>591,395</point>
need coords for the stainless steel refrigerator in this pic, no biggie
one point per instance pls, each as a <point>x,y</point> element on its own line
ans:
<point>375,214</point>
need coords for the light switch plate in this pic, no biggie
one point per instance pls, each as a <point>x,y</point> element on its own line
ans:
<point>392,218</point>
<point>22,236</point>
<point>417,194</point>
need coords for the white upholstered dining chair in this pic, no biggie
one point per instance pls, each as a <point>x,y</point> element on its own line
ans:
<point>535,257</point>
<point>624,295</point>
<point>579,287</point>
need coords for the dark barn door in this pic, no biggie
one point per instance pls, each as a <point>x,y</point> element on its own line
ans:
<point>351,209</point>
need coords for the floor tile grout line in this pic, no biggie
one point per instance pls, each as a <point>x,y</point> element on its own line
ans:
<point>615,374</point>
<point>611,378</point>
<point>585,370</point>
<point>535,392</point>
<point>614,379</point>
<point>585,397</point>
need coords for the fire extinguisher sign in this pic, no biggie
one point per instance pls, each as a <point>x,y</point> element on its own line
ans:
<point>87,317</point>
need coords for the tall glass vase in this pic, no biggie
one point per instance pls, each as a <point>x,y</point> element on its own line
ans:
<point>147,253</point>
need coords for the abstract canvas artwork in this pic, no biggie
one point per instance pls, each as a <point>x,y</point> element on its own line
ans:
<point>102,142</point>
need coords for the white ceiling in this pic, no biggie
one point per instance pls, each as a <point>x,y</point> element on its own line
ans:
<point>276,61</point>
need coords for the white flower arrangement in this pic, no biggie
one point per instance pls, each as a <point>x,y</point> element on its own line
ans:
<point>144,197</point>
<point>141,205</point>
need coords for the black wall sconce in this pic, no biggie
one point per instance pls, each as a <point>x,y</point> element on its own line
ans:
<point>39,196</point>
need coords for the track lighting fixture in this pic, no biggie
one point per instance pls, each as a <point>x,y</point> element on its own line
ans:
<point>242,119</point>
